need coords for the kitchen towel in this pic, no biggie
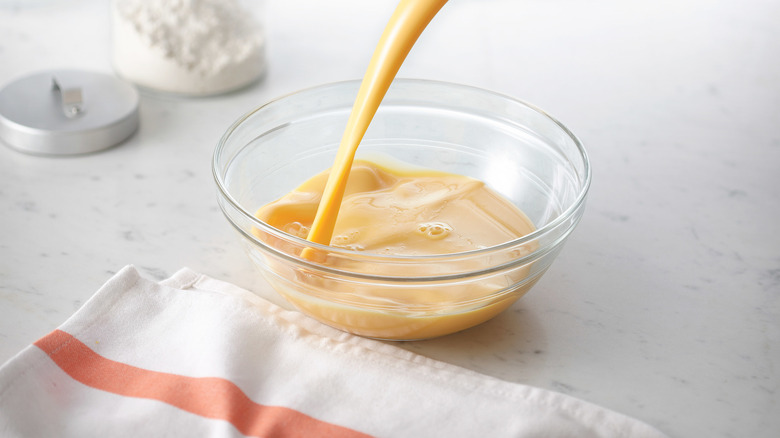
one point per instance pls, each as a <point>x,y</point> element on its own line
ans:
<point>195,356</point>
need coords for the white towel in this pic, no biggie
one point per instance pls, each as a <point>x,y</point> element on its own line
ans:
<point>194,356</point>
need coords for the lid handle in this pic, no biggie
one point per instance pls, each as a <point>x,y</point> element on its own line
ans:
<point>70,99</point>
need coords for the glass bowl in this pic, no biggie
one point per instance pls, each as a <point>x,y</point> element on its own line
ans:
<point>516,149</point>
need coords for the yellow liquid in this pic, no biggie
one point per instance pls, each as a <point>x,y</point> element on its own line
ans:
<point>366,207</point>
<point>395,211</point>
<point>406,24</point>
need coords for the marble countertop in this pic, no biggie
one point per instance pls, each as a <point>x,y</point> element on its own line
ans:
<point>663,305</point>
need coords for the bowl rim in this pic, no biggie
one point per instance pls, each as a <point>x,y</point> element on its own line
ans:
<point>537,233</point>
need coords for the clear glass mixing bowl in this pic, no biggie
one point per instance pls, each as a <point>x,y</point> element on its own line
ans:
<point>516,149</point>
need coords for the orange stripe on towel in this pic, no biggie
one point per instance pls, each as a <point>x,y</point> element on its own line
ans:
<point>209,397</point>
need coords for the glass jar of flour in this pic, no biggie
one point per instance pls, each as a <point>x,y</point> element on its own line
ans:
<point>188,47</point>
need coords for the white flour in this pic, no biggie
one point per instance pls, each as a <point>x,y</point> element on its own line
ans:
<point>195,47</point>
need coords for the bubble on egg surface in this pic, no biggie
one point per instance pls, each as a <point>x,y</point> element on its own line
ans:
<point>346,240</point>
<point>434,230</point>
<point>297,229</point>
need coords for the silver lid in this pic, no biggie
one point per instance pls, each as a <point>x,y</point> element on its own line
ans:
<point>66,112</point>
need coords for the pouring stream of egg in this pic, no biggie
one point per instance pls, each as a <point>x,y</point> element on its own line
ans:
<point>406,24</point>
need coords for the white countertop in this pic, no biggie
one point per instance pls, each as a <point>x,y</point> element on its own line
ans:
<point>664,304</point>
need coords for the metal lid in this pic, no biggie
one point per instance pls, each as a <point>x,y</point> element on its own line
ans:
<point>66,112</point>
